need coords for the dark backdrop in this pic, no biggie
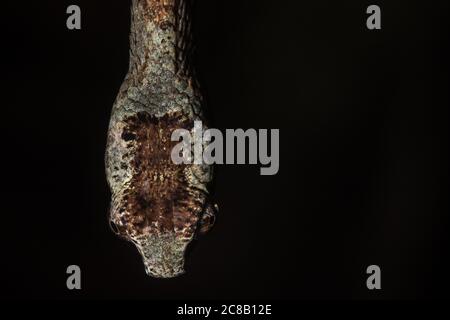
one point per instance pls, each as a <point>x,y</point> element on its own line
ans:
<point>363,166</point>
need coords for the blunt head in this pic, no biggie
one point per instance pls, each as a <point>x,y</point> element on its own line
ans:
<point>163,255</point>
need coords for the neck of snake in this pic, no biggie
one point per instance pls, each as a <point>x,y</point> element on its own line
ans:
<point>160,41</point>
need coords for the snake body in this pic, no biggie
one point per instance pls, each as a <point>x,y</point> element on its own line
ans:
<point>158,205</point>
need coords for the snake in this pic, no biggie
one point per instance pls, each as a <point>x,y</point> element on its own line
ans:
<point>156,204</point>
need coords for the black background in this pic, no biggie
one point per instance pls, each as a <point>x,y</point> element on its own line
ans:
<point>363,117</point>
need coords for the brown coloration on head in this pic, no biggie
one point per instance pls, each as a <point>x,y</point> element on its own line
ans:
<point>159,209</point>
<point>159,199</point>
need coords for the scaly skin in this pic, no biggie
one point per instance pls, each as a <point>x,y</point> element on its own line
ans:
<point>156,204</point>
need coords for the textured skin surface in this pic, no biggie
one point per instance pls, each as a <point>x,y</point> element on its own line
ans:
<point>157,205</point>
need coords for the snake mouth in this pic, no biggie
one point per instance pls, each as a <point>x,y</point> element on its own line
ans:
<point>164,272</point>
<point>162,254</point>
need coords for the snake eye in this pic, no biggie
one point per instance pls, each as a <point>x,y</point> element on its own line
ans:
<point>113,227</point>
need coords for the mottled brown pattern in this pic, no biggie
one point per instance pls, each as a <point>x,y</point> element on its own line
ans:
<point>160,11</point>
<point>159,199</point>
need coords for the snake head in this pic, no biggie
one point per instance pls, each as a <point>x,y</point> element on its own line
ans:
<point>158,205</point>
